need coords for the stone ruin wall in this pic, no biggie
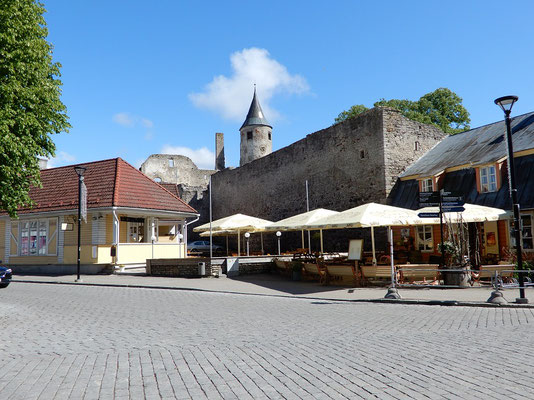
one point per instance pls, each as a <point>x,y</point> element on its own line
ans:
<point>400,137</point>
<point>274,187</point>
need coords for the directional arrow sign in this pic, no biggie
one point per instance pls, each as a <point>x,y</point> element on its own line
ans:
<point>428,215</point>
<point>453,204</point>
<point>453,209</point>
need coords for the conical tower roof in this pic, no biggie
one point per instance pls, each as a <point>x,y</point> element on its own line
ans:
<point>255,114</point>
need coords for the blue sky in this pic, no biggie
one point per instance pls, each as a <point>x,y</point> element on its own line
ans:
<point>141,77</point>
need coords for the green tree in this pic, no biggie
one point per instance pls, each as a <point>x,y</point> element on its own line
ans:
<point>30,105</point>
<point>442,108</point>
<point>351,112</point>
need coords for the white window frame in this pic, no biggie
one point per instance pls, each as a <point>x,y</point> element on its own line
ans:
<point>39,248</point>
<point>427,185</point>
<point>427,244</point>
<point>488,179</point>
<point>527,233</point>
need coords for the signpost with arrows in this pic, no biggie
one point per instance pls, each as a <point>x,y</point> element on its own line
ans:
<point>447,202</point>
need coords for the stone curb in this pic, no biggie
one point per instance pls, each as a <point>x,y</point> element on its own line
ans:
<point>447,303</point>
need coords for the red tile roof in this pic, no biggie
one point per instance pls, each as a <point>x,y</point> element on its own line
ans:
<point>109,183</point>
<point>171,187</point>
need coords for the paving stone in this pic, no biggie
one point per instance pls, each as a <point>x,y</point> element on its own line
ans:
<point>63,342</point>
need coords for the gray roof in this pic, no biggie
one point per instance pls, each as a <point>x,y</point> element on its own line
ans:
<point>477,146</point>
<point>255,114</point>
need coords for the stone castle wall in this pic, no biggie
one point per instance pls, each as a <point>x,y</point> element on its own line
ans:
<point>348,164</point>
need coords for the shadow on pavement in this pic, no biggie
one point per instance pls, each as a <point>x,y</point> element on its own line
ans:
<point>286,285</point>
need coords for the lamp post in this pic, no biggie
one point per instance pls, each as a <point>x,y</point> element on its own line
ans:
<point>247,235</point>
<point>278,234</point>
<point>506,103</point>
<point>79,171</point>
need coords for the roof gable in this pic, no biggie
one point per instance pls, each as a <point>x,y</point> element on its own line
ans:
<point>110,183</point>
<point>477,146</point>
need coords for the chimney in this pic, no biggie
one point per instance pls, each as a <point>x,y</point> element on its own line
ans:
<point>219,151</point>
<point>43,163</point>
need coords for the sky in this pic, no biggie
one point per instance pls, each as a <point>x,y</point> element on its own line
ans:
<point>142,78</point>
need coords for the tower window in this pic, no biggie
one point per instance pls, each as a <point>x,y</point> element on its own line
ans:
<point>362,154</point>
<point>417,146</point>
<point>269,135</point>
<point>171,163</point>
<point>249,135</point>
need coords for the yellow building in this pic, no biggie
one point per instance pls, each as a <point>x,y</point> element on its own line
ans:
<point>129,219</point>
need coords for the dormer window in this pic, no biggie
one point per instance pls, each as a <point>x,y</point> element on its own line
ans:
<point>488,179</point>
<point>427,185</point>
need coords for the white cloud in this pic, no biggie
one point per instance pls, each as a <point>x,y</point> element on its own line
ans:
<point>131,121</point>
<point>203,158</point>
<point>124,119</point>
<point>62,158</point>
<point>231,96</point>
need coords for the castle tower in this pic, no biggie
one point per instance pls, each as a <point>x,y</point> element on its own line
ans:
<point>256,140</point>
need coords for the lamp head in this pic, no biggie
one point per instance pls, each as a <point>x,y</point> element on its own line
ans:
<point>278,233</point>
<point>247,235</point>
<point>80,170</point>
<point>506,103</point>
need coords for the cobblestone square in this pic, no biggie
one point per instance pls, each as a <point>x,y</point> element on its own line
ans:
<point>84,342</point>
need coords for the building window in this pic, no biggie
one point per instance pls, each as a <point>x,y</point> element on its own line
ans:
<point>269,134</point>
<point>424,239</point>
<point>136,232</point>
<point>427,185</point>
<point>527,241</point>
<point>171,163</point>
<point>488,179</point>
<point>249,135</point>
<point>417,146</point>
<point>362,154</point>
<point>34,237</point>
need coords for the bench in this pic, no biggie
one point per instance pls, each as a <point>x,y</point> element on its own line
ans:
<point>340,272</point>
<point>375,272</point>
<point>282,266</point>
<point>504,271</point>
<point>418,272</point>
<point>315,272</point>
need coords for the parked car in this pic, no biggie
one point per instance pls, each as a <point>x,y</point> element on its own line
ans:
<point>202,246</point>
<point>5,276</point>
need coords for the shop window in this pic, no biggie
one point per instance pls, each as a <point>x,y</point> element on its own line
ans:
<point>427,185</point>
<point>527,241</point>
<point>424,238</point>
<point>488,179</point>
<point>34,237</point>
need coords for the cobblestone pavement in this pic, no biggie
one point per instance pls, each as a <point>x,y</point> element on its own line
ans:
<point>74,342</point>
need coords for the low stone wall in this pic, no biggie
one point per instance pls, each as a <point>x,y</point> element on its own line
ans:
<point>181,267</point>
<point>255,266</point>
<point>188,267</point>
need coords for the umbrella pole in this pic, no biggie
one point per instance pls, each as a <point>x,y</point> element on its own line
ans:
<point>391,256</point>
<point>261,236</point>
<point>373,244</point>
<point>303,245</point>
<point>238,243</point>
<point>321,234</point>
<point>226,245</point>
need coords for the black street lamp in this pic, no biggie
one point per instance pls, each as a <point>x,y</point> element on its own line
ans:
<point>506,103</point>
<point>80,171</point>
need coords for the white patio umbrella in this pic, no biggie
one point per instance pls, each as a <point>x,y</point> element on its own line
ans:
<point>472,213</point>
<point>300,222</point>
<point>367,216</point>
<point>236,222</point>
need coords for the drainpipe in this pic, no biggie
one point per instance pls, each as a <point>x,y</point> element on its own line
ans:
<point>185,232</point>
<point>116,236</point>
